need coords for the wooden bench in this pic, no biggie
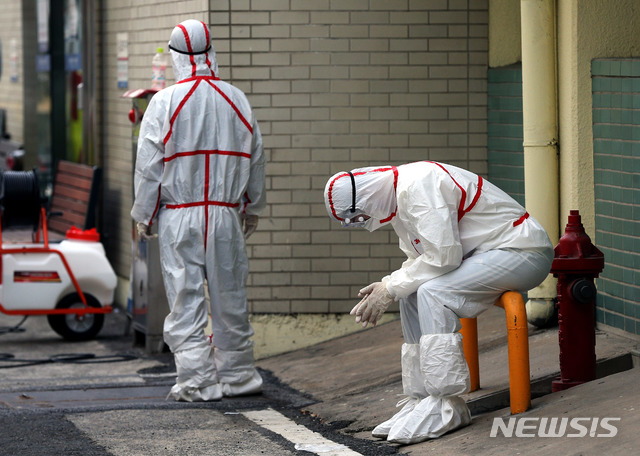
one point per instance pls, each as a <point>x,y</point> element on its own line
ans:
<point>74,198</point>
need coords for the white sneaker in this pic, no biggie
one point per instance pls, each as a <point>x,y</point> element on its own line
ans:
<point>382,430</point>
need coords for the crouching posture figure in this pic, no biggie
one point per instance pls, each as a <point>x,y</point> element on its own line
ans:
<point>466,243</point>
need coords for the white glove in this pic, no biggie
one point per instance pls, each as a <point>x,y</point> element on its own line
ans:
<point>249,224</point>
<point>375,301</point>
<point>144,232</point>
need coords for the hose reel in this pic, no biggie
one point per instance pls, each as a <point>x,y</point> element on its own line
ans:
<point>20,199</point>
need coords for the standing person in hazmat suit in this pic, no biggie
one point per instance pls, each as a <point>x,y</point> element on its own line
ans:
<point>466,243</point>
<point>200,170</point>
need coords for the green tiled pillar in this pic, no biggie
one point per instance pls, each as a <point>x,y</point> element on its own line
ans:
<point>616,146</point>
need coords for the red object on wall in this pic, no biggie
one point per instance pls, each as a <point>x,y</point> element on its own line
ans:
<point>576,265</point>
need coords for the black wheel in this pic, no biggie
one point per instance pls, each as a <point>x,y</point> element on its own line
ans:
<point>76,327</point>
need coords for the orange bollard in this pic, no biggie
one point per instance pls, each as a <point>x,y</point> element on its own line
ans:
<point>469,333</point>
<point>518,346</point>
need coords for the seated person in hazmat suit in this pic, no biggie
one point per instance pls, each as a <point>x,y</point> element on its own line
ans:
<point>200,170</point>
<point>466,243</point>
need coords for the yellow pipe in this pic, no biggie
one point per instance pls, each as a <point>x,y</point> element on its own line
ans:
<point>540,112</point>
<point>540,135</point>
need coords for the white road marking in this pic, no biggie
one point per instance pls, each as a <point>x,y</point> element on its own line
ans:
<point>300,436</point>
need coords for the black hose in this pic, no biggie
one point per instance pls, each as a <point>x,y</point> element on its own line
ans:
<point>13,329</point>
<point>7,360</point>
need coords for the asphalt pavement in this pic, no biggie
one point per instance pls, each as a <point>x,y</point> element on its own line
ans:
<point>107,397</point>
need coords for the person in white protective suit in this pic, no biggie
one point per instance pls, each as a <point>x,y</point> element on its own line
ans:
<point>466,243</point>
<point>200,170</point>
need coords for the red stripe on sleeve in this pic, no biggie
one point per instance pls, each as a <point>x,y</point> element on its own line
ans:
<point>155,211</point>
<point>521,219</point>
<point>475,198</point>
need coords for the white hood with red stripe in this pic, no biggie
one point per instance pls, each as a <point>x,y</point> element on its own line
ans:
<point>192,37</point>
<point>375,194</point>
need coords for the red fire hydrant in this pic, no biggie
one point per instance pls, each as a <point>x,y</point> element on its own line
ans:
<point>576,265</point>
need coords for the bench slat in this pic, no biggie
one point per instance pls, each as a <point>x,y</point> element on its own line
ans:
<point>73,191</point>
<point>69,180</point>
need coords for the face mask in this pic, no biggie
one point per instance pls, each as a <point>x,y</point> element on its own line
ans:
<point>371,224</point>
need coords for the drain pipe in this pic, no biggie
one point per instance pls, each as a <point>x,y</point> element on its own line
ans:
<point>540,133</point>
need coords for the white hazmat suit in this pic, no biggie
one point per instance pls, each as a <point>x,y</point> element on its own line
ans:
<point>200,170</point>
<point>466,243</point>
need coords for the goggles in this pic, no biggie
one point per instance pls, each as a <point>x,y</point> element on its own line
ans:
<point>355,221</point>
<point>353,218</point>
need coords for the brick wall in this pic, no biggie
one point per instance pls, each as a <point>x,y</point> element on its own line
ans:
<point>616,145</point>
<point>11,93</point>
<point>335,84</point>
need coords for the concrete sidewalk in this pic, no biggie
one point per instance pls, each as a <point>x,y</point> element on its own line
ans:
<point>357,382</point>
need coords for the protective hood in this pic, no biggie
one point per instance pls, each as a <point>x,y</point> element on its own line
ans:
<point>370,191</point>
<point>191,51</point>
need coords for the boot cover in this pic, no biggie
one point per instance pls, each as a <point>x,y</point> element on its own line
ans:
<point>237,372</point>
<point>412,382</point>
<point>443,365</point>
<point>197,377</point>
<point>252,385</point>
<point>431,418</point>
<point>382,430</point>
<point>412,386</point>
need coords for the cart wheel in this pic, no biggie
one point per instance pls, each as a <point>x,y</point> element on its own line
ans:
<point>76,327</point>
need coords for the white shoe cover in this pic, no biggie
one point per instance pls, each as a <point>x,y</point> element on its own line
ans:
<point>412,381</point>
<point>252,385</point>
<point>234,366</point>
<point>431,418</point>
<point>197,379</point>
<point>443,365</point>
<point>412,386</point>
<point>382,430</point>
<point>184,393</point>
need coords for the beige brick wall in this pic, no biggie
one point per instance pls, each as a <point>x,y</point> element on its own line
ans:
<point>12,93</point>
<point>335,84</point>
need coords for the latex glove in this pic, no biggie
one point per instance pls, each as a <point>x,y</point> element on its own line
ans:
<point>144,232</point>
<point>249,224</point>
<point>375,301</point>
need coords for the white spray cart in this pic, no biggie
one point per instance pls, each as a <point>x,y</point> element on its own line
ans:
<point>71,282</point>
